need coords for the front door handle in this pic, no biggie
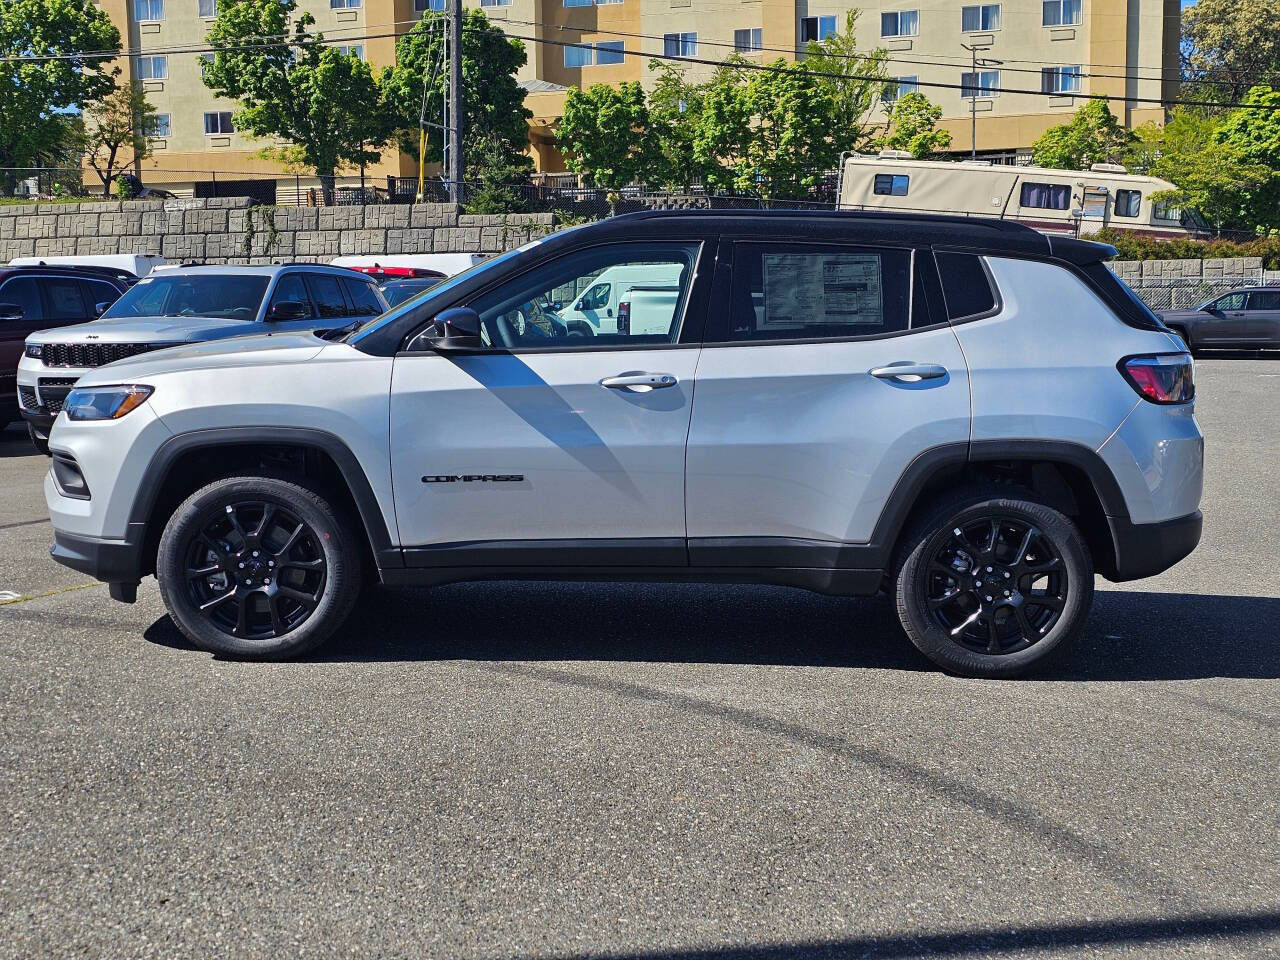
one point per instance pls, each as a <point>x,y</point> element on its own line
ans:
<point>910,372</point>
<point>639,382</point>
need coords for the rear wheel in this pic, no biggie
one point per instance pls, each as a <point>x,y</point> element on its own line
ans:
<point>258,568</point>
<point>990,585</point>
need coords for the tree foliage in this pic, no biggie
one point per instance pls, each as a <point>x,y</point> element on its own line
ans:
<point>1234,42</point>
<point>37,93</point>
<point>853,80</point>
<point>1254,136</point>
<point>604,134</point>
<point>495,119</point>
<point>675,112</point>
<point>912,127</point>
<point>115,133</point>
<point>325,103</point>
<point>1093,135</point>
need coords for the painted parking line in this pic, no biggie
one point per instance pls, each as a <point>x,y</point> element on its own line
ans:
<point>23,523</point>
<point>8,596</point>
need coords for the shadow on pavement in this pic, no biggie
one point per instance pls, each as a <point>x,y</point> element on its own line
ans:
<point>1130,635</point>
<point>981,943</point>
<point>14,442</point>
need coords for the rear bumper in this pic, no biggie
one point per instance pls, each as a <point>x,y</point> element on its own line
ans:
<point>1145,549</point>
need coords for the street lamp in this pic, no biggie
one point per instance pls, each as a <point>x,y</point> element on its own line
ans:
<point>973,99</point>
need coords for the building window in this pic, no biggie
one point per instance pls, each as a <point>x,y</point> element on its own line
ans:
<point>576,55</point>
<point>352,50</point>
<point>495,3</point>
<point>1128,202</point>
<point>608,53</point>
<point>148,9</point>
<point>208,9</point>
<point>899,87</point>
<point>980,84</point>
<point>1046,196</point>
<point>891,184</point>
<point>1056,80</point>
<point>156,125</point>
<point>422,6</point>
<point>153,68</point>
<point>746,41</point>
<point>577,3</point>
<point>1059,13</point>
<point>816,28</point>
<point>344,4</point>
<point>903,23</point>
<point>218,122</point>
<point>680,45</point>
<point>981,17</point>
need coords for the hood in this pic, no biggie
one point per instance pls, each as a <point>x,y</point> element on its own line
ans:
<point>148,330</point>
<point>1180,314</point>
<point>269,348</point>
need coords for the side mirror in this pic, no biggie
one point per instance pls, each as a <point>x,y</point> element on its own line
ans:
<point>457,328</point>
<point>10,311</point>
<point>557,305</point>
<point>288,310</point>
<point>100,308</point>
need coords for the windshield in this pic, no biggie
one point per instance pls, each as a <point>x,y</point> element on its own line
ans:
<point>398,291</point>
<point>228,296</point>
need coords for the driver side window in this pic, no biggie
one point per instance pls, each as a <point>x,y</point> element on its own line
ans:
<point>1232,301</point>
<point>529,311</point>
<point>595,298</point>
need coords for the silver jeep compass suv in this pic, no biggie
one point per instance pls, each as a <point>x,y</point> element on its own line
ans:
<point>966,414</point>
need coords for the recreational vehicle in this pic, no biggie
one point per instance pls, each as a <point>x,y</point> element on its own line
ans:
<point>1073,202</point>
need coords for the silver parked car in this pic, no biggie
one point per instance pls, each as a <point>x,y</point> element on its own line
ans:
<point>1244,319</point>
<point>183,305</point>
<point>963,413</point>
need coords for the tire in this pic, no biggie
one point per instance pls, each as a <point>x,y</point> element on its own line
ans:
<point>41,445</point>
<point>941,584</point>
<point>238,531</point>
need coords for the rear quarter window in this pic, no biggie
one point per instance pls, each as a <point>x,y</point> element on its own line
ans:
<point>966,287</point>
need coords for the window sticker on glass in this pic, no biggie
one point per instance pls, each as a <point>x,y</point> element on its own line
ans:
<point>803,290</point>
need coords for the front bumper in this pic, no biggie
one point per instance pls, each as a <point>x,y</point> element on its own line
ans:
<point>1145,549</point>
<point>117,562</point>
<point>40,421</point>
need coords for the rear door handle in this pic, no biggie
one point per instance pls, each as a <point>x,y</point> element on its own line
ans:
<point>910,372</point>
<point>639,382</point>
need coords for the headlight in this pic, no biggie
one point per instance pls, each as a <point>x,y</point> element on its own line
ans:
<point>104,403</point>
<point>34,350</point>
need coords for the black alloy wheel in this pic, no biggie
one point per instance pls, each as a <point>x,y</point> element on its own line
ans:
<point>256,570</point>
<point>996,585</point>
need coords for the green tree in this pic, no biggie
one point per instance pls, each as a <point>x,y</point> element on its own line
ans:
<point>852,79</point>
<point>115,133</point>
<point>37,93</point>
<point>495,119</point>
<point>1254,135</point>
<point>675,112</point>
<point>1093,135</point>
<point>604,135</point>
<point>1210,176</point>
<point>325,103</point>
<point>911,127</point>
<point>1234,42</point>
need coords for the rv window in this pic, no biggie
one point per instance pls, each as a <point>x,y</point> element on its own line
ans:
<point>1167,211</point>
<point>1046,196</point>
<point>891,184</point>
<point>1128,202</point>
<point>965,285</point>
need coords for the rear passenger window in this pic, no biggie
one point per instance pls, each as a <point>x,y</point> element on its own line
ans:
<point>65,301</point>
<point>328,295</point>
<point>363,298</point>
<point>965,285</point>
<point>817,292</point>
<point>1264,300</point>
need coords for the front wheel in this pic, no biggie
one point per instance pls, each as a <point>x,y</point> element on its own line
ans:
<point>258,568</point>
<point>990,585</point>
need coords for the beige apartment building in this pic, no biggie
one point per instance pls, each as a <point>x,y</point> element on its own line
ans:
<point>1049,51</point>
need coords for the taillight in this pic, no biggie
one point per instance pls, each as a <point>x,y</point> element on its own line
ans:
<point>624,317</point>
<point>1165,378</point>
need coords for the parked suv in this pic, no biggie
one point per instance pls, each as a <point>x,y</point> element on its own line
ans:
<point>39,296</point>
<point>1247,318</point>
<point>966,414</point>
<point>181,305</point>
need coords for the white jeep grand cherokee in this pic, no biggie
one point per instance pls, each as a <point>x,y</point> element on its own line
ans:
<point>966,414</point>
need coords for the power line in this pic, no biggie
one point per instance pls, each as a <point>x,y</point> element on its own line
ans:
<point>316,39</point>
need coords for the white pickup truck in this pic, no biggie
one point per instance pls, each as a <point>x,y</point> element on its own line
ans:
<point>648,310</point>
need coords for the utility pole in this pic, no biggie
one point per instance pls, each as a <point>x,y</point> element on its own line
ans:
<point>973,99</point>
<point>454,163</point>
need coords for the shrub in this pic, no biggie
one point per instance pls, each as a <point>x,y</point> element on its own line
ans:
<point>1134,247</point>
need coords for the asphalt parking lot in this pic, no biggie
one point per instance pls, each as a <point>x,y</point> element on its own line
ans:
<point>566,770</point>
